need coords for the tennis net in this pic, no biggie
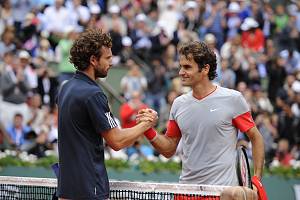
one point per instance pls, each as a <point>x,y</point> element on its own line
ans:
<point>24,188</point>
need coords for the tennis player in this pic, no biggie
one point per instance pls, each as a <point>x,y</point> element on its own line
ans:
<point>207,120</point>
<point>85,119</point>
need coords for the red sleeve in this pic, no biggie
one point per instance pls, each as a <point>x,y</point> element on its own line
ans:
<point>243,122</point>
<point>173,129</point>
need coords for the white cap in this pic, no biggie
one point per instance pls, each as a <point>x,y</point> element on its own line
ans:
<point>249,23</point>
<point>95,9</point>
<point>209,38</point>
<point>190,5</point>
<point>141,17</point>
<point>234,7</point>
<point>170,2</point>
<point>126,41</point>
<point>114,9</point>
<point>296,86</point>
<point>24,54</point>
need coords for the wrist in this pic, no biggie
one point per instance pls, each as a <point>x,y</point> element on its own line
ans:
<point>256,177</point>
<point>151,134</point>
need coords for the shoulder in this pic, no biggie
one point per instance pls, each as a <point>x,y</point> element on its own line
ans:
<point>98,96</point>
<point>229,92</point>
<point>183,98</point>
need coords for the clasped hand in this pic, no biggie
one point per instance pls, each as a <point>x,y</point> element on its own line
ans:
<point>147,115</point>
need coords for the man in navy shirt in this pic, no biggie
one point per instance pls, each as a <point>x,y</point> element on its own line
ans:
<point>84,118</point>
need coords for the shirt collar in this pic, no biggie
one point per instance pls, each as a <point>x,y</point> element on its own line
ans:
<point>82,76</point>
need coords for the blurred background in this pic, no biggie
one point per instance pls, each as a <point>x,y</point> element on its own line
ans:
<point>257,44</point>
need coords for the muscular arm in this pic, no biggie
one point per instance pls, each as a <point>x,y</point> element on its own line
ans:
<point>118,138</point>
<point>257,150</point>
<point>165,145</point>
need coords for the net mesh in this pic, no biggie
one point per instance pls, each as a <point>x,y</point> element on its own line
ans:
<point>13,188</point>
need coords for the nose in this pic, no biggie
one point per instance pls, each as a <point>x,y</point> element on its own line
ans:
<point>181,72</point>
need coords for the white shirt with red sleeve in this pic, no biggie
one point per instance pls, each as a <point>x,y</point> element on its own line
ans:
<point>208,129</point>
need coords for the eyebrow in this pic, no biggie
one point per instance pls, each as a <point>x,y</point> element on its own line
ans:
<point>185,66</point>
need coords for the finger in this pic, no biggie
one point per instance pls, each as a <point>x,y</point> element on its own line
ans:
<point>145,110</point>
<point>152,111</point>
<point>254,188</point>
<point>140,115</point>
<point>151,116</point>
<point>145,114</point>
<point>146,119</point>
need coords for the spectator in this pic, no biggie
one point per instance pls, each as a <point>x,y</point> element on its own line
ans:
<point>18,131</point>
<point>7,41</point>
<point>47,86</point>
<point>277,75</point>
<point>283,155</point>
<point>214,21</point>
<point>114,19</point>
<point>127,51</point>
<point>6,14</point>
<point>20,8</point>
<point>252,36</point>
<point>45,51</point>
<point>56,19</point>
<point>129,110</point>
<point>158,85</point>
<point>233,21</point>
<point>62,53</point>
<point>227,76</point>
<point>79,14</point>
<point>134,80</point>
<point>29,69</point>
<point>15,89</point>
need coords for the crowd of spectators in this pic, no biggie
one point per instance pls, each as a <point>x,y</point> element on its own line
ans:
<point>257,44</point>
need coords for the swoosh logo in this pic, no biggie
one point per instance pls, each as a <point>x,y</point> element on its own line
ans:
<point>213,110</point>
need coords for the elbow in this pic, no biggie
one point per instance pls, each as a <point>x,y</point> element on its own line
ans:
<point>116,146</point>
<point>168,154</point>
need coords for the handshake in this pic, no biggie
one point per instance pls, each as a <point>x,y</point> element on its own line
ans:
<point>147,115</point>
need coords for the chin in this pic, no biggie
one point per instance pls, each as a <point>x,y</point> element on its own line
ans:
<point>185,83</point>
<point>101,75</point>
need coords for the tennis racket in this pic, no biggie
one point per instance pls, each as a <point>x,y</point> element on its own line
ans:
<point>243,168</point>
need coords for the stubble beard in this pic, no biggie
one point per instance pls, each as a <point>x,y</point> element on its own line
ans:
<point>100,74</point>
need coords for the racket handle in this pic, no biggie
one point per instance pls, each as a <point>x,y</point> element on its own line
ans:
<point>262,195</point>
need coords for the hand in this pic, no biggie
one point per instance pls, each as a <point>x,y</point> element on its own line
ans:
<point>20,76</point>
<point>254,188</point>
<point>147,115</point>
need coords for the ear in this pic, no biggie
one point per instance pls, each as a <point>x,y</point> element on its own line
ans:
<point>206,68</point>
<point>93,60</point>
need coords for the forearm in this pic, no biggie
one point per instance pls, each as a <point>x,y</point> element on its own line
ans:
<point>258,154</point>
<point>165,145</point>
<point>120,138</point>
<point>129,135</point>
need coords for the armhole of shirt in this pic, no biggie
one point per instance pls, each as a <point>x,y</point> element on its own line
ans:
<point>173,129</point>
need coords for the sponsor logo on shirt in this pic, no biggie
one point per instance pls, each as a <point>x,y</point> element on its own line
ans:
<point>213,109</point>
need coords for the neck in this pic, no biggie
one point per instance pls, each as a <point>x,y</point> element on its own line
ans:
<point>90,73</point>
<point>204,89</point>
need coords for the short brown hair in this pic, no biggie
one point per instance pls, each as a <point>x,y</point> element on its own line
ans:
<point>202,55</point>
<point>88,44</point>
